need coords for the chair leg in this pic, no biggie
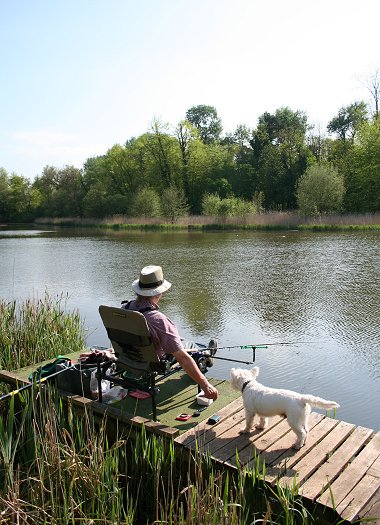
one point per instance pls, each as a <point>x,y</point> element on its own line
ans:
<point>153,394</point>
<point>99,377</point>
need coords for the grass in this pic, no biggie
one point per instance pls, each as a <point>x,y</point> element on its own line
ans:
<point>259,221</point>
<point>56,468</point>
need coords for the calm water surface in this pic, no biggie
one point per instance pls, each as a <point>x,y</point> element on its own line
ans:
<point>317,291</point>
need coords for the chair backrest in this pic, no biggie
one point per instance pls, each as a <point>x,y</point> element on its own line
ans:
<point>130,338</point>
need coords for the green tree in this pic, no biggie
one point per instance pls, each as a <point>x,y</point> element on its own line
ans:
<point>164,161</point>
<point>362,177</point>
<point>4,195</point>
<point>119,173</point>
<point>23,199</point>
<point>186,134</point>
<point>173,204</point>
<point>47,184</point>
<point>280,156</point>
<point>61,191</point>
<point>242,175</point>
<point>348,120</point>
<point>319,145</point>
<point>207,171</point>
<point>206,121</point>
<point>69,193</point>
<point>95,203</point>
<point>320,190</point>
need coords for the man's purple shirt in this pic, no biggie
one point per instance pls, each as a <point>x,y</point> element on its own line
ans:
<point>165,336</point>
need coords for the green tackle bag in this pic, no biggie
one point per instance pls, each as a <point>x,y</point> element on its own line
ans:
<point>49,368</point>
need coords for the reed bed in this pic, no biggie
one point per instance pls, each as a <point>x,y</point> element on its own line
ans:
<point>271,220</point>
<point>37,330</point>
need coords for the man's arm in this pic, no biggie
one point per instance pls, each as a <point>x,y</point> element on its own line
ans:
<point>190,367</point>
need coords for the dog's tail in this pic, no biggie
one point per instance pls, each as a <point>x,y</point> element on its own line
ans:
<point>318,402</point>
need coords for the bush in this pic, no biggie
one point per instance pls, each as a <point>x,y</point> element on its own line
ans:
<point>146,203</point>
<point>320,190</point>
<point>212,204</point>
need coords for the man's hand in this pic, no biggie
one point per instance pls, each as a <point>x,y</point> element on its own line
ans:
<point>210,392</point>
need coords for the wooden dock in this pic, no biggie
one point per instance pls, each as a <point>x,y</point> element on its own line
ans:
<point>337,472</point>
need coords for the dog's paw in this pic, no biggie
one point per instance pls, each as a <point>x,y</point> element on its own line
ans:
<point>244,430</point>
<point>263,423</point>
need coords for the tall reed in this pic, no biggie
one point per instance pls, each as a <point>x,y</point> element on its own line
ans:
<point>36,330</point>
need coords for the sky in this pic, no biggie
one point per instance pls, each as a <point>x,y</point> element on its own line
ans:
<point>78,76</point>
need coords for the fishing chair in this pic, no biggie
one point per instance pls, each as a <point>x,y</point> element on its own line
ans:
<point>138,365</point>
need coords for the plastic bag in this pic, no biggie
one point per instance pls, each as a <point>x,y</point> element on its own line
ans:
<point>105,385</point>
<point>116,393</point>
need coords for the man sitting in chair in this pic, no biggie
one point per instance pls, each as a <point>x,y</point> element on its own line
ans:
<point>166,340</point>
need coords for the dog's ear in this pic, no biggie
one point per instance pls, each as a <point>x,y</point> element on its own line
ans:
<point>255,371</point>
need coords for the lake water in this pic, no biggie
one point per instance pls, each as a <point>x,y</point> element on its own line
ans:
<point>317,291</point>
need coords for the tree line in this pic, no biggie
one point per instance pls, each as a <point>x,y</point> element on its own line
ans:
<point>281,164</point>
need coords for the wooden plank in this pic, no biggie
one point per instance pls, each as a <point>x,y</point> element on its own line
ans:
<point>229,435</point>
<point>318,454</point>
<point>371,511</point>
<point>249,445</point>
<point>374,469</point>
<point>272,453</point>
<point>215,432</point>
<point>329,471</point>
<point>285,463</point>
<point>356,500</point>
<point>242,444</point>
<point>197,432</point>
<point>352,475</point>
<point>12,379</point>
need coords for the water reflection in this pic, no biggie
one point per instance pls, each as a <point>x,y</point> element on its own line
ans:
<point>318,291</point>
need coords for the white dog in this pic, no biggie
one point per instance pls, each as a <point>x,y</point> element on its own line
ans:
<point>265,402</point>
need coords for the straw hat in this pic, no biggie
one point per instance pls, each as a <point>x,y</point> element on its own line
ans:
<point>151,282</point>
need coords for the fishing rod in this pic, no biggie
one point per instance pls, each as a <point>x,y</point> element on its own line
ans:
<point>38,382</point>
<point>263,345</point>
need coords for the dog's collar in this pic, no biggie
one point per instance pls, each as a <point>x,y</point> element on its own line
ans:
<point>244,385</point>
